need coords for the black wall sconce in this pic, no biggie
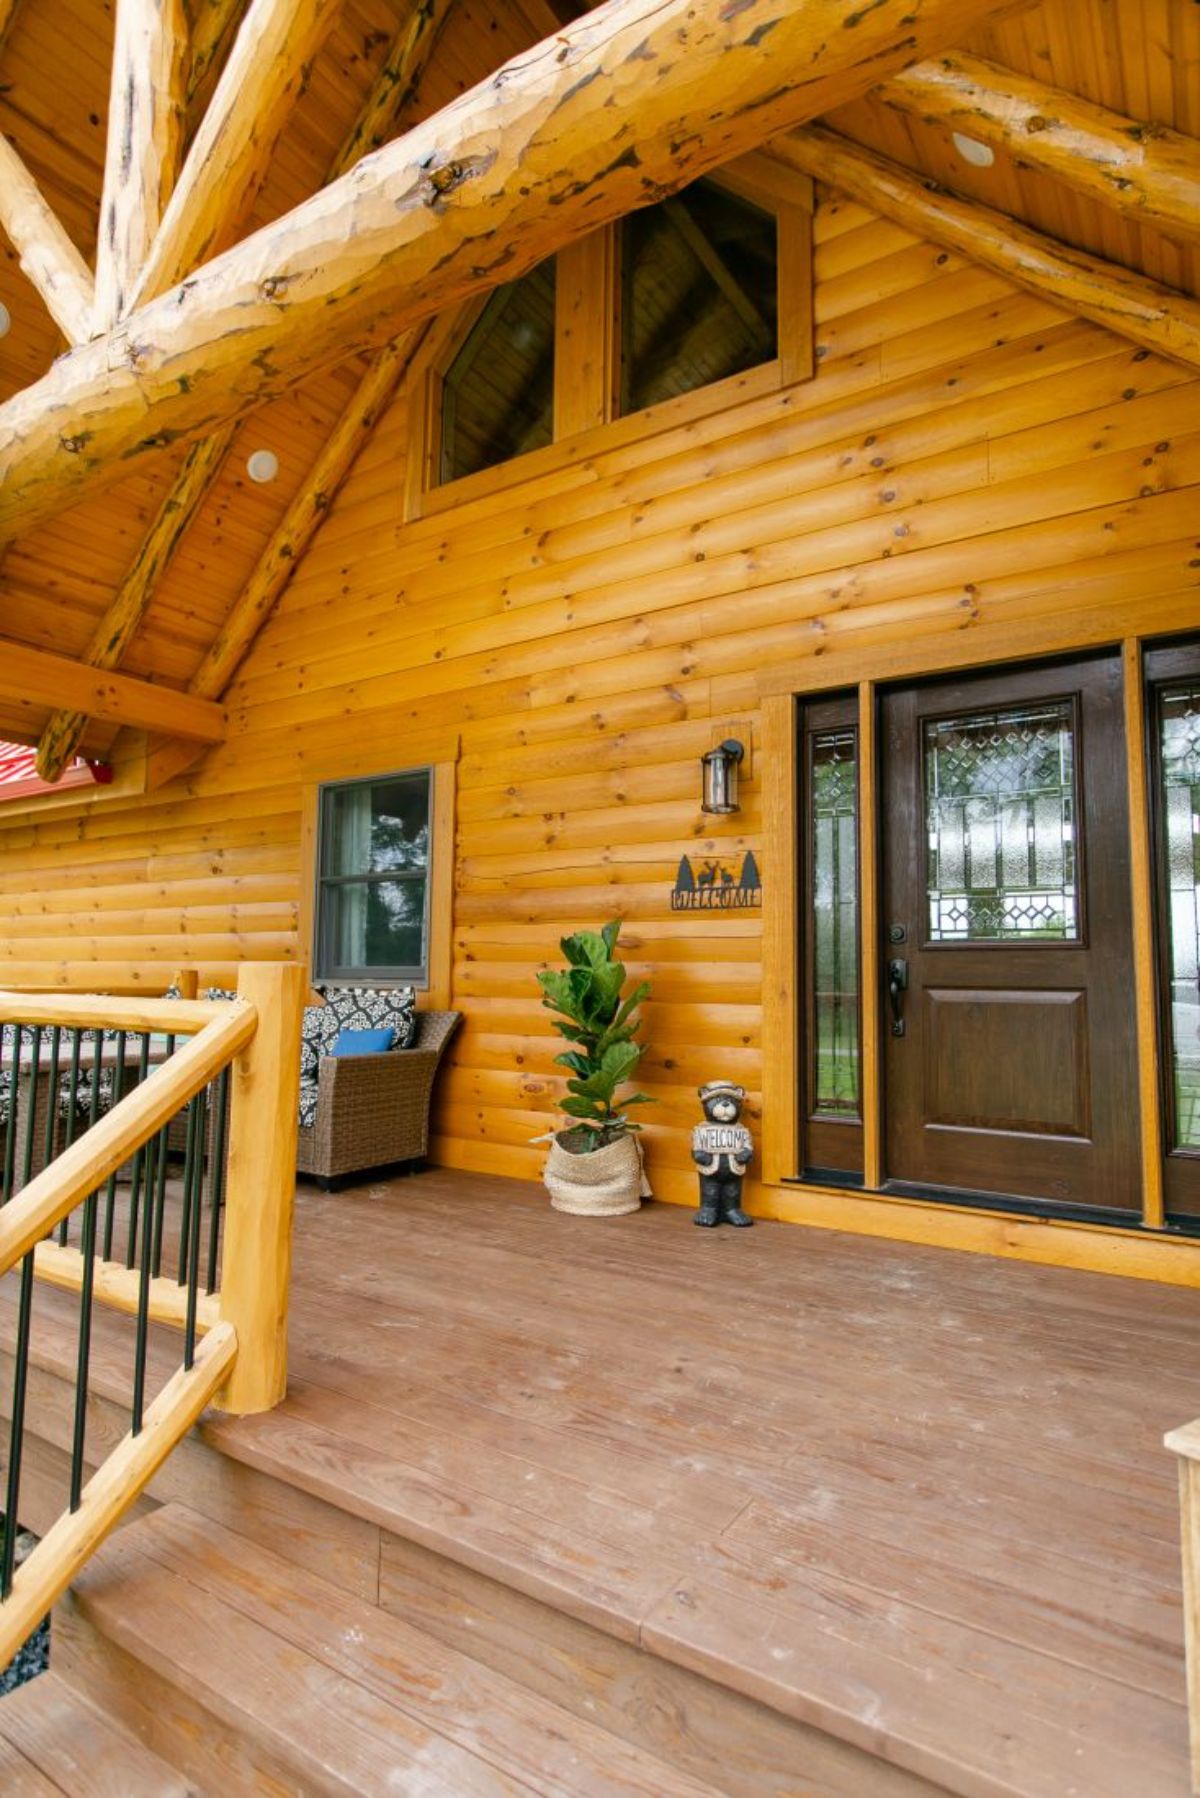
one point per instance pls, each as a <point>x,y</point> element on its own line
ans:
<point>720,771</point>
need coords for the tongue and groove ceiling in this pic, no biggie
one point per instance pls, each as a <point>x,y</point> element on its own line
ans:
<point>1139,58</point>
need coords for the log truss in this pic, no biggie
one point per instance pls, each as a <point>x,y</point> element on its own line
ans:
<point>173,331</point>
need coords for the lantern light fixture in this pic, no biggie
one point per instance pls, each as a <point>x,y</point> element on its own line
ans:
<point>719,768</point>
<point>262,466</point>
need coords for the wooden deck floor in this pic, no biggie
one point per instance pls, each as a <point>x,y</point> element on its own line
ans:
<point>916,1497</point>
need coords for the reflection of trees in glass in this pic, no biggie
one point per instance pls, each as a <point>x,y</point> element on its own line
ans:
<point>1000,797</point>
<point>834,786</point>
<point>1180,749</point>
<point>375,861</point>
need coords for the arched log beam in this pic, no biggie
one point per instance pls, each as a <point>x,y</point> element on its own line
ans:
<point>145,143</point>
<point>1157,317</point>
<point>46,254</point>
<point>35,679</point>
<point>625,106</point>
<point>63,733</point>
<point>265,72</point>
<point>394,89</point>
<point>1148,173</point>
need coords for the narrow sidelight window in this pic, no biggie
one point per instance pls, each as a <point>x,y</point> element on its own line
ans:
<point>832,1103</point>
<point>1179,755</point>
<point>373,880</point>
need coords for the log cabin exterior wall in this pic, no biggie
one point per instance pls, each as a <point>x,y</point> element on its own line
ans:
<point>581,625</point>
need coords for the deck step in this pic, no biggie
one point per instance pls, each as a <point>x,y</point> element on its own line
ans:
<point>54,1743</point>
<point>300,1684</point>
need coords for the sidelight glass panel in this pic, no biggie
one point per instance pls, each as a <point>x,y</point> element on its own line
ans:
<point>1179,716</point>
<point>834,809</point>
<point>1000,819</point>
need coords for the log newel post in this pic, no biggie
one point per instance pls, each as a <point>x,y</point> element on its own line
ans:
<point>1185,1443</point>
<point>261,1186</point>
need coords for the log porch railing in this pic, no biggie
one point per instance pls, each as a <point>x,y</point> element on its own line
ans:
<point>1185,1443</point>
<point>228,1097</point>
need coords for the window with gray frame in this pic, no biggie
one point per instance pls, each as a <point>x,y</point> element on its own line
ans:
<point>373,877</point>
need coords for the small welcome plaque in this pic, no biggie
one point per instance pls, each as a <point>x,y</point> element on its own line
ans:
<point>708,883</point>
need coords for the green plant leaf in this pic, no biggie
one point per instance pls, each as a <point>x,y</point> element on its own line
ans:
<point>571,1058</point>
<point>586,1109</point>
<point>620,1059</point>
<point>610,932</point>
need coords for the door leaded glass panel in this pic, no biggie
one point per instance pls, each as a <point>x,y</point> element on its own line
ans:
<point>1179,746</point>
<point>1000,811</point>
<point>834,778</point>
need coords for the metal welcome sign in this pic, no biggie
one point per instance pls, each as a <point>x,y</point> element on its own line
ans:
<point>709,883</point>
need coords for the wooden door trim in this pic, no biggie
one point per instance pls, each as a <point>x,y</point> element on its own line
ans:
<point>1145,973</point>
<point>1058,1241</point>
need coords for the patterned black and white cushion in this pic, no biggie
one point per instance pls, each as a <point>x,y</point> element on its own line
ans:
<point>309,1094</point>
<point>373,1008</point>
<point>221,992</point>
<point>319,1033</point>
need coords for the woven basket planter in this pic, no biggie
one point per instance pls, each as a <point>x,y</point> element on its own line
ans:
<point>607,1183</point>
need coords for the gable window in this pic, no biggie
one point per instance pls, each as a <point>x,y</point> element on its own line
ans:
<point>373,864</point>
<point>700,301</point>
<point>498,393</point>
<point>699,293</point>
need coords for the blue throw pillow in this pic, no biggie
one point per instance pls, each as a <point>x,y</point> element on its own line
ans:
<point>363,1042</point>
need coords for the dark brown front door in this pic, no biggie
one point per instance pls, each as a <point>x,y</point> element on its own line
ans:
<point>1010,1057</point>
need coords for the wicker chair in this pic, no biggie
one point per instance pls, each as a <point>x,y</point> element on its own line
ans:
<point>373,1110</point>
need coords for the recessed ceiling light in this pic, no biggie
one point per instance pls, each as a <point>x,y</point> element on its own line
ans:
<point>5,319</point>
<point>980,156</point>
<point>262,466</point>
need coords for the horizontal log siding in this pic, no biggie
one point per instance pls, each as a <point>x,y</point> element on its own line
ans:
<point>966,455</point>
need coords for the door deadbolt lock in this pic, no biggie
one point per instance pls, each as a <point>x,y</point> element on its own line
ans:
<point>897,933</point>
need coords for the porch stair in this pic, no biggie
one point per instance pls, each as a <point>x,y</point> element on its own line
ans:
<point>245,1671</point>
<point>54,1743</point>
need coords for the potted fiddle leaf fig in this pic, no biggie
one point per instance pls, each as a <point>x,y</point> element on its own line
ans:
<point>595,1164</point>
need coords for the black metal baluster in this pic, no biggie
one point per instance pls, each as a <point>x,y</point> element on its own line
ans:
<point>191,1159</point>
<point>52,1094</point>
<point>14,1089</point>
<point>83,1364</point>
<point>97,1066</point>
<point>16,1434</point>
<point>31,1120</point>
<point>140,1161</point>
<point>160,1196</point>
<point>194,1220</point>
<point>143,1307</point>
<point>110,1197</point>
<point>220,1135</point>
<point>72,1102</point>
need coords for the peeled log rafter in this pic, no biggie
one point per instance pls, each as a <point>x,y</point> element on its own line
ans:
<point>263,76</point>
<point>145,142</point>
<point>213,25</point>
<point>1157,317</point>
<point>303,518</point>
<point>624,107</point>
<point>34,679</point>
<point>46,253</point>
<point>396,85</point>
<point>8,12</point>
<point>63,733</point>
<point>1146,172</point>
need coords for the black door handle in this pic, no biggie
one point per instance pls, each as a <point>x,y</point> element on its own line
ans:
<point>897,987</point>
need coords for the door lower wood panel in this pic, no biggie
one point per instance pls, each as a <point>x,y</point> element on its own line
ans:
<point>1010,1058</point>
